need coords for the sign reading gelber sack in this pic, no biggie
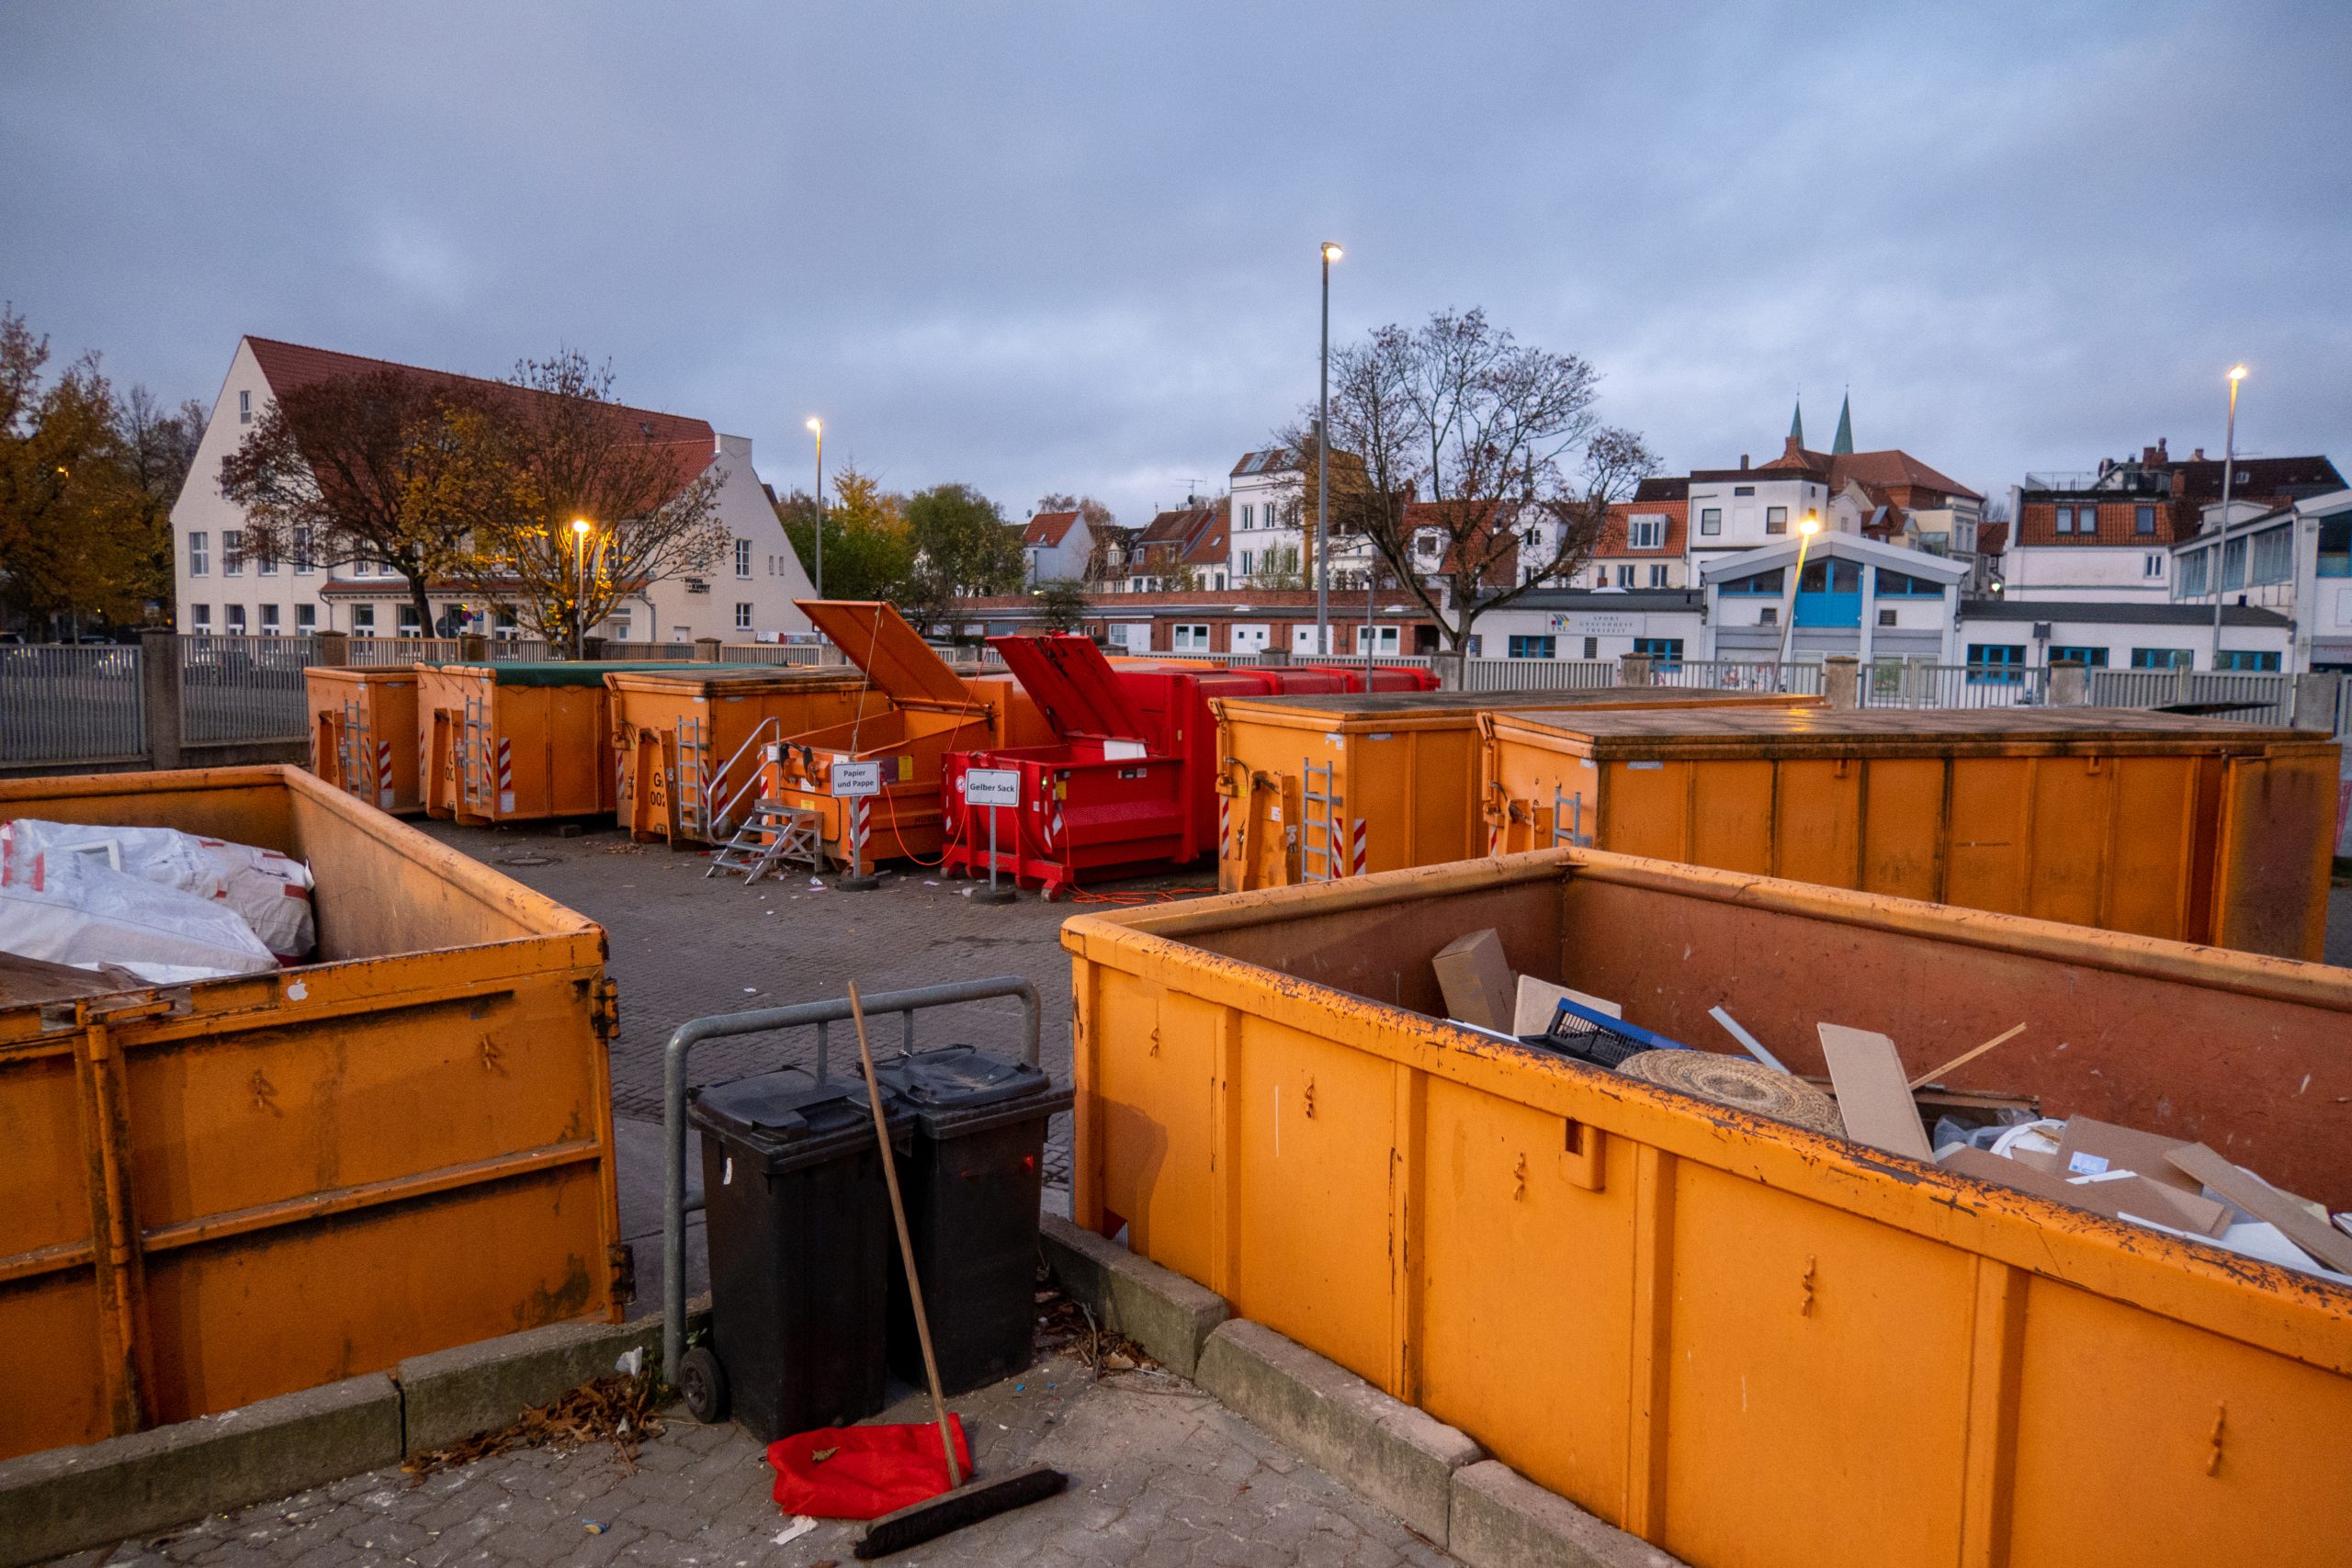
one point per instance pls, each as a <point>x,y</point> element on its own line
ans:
<point>992,786</point>
<point>851,780</point>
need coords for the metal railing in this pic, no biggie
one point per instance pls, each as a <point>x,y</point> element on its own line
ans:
<point>650,651</point>
<point>1538,675</point>
<point>1916,684</point>
<point>787,653</point>
<point>676,1205</point>
<point>68,704</point>
<point>1738,675</point>
<point>377,651</point>
<point>243,688</point>
<point>2253,696</point>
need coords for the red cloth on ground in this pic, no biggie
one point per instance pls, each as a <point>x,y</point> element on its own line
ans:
<point>869,1472</point>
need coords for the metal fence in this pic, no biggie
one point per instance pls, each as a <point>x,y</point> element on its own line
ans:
<point>243,688</point>
<point>1738,675</point>
<point>68,704</point>
<point>649,652</point>
<point>378,651</point>
<point>795,653</point>
<point>1916,684</point>
<point>2254,697</point>
<point>1537,674</point>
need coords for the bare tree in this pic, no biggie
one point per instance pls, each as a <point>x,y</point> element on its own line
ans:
<point>1473,465</point>
<point>575,505</point>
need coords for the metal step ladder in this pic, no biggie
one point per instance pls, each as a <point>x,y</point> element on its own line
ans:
<point>1567,819</point>
<point>1321,839</point>
<point>689,791</point>
<point>771,837</point>
<point>476,773</point>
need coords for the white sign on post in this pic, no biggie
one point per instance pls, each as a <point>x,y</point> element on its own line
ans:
<point>992,786</point>
<point>853,780</point>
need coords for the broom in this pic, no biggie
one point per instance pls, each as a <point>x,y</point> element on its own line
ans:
<point>965,1502</point>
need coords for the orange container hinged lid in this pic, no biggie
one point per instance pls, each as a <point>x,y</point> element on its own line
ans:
<point>1073,684</point>
<point>876,638</point>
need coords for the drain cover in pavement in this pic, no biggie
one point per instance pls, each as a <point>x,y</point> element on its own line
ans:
<point>526,859</point>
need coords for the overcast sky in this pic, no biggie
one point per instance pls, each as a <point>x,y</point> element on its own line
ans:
<point>1073,247</point>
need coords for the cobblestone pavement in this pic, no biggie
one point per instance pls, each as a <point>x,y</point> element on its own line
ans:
<point>1161,1474</point>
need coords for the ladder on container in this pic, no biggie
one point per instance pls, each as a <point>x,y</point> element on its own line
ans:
<point>476,778</point>
<point>771,836</point>
<point>343,744</point>
<point>689,794</point>
<point>1321,838</point>
<point>1567,819</point>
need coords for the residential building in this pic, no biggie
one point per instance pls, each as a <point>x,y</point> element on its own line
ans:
<point>1855,595</point>
<point>1667,625</point>
<point>2112,534</point>
<point>2114,634</point>
<point>1644,545</point>
<point>220,585</point>
<point>1056,546</point>
<point>1274,526</point>
<point>2291,560</point>
<point>1245,621</point>
<point>1189,545</point>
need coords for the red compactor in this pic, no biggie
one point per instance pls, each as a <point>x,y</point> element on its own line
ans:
<point>1130,780</point>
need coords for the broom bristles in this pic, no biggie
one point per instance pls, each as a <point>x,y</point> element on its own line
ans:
<point>967,1505</point>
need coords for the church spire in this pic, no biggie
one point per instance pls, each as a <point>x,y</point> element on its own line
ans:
<point>1796,427</point>
<point>1844,446</point>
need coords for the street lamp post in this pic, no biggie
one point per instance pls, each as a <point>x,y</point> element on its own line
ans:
<point>580,588</point>
<point>817,427</point>
<point>1805,531</point>
<point>1331,253</point>
<point>2222,540</point>
<point>1371,582</point>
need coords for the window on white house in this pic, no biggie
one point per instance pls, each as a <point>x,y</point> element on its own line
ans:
<point>304,562</point>
<point>2152,564</point>
<point>1738,491</point>
<point>245,408</point>
<point>363,619</point>
<point>1593,647</point>
<point>269,620</point>
<point>363,569</point>
<point>1624,577</point>
<point>743,558</point>
<point>236,614</point>
<point>1776,520</point>
<point>199,617</point>
<point>1246,568</point>
<point>265,559</point>
<point>2144,519</point>
<point>1886,617</point>
<point>1531,647</point>
<point>1643,534</point>
<point>1710,520</point>
<point>2066,523</point>
<point>1249,517</point>
<point>306,619</point>
<point>2086,520</point>
<point>742,617</point>
<point>1192,638</point>
<point>1220,582</point>
<point>200,552</point>
<point>232,552</point>
<point>1771,617</point>
<point>410,624</point>
<point>1425,545</point>
<point>619,624</point>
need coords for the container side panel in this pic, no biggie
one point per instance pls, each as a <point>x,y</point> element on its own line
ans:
<point>1987,849</point>
<point>44,1187</point>
<point>1793,1321</point>
<point>2072,804</point>
<point>1645,808</point>
<point>1817,820</point>
<point>2144,1442</point>
<point>1526,1287</point>
<point>2280,835</point>
<point>372,899</point>
<point>1313,1128</point>
<point>277,1311</point>
<point>51,1393</point>
<point>1903,827</point>
<point>1731,816</point>
<point>1155,1072</point>
<point>1444,796</point>
<point>1383,952</point>
<point>2147,845</point>
<point>237,812</point>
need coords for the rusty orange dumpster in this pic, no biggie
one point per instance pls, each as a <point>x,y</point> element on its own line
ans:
<point>364,735</point>
<point>514,743</point>
<point>688,741</point>
<point>1318,787</point>
<point>871,786</point>
<point>218,1191</point>
<point>1750,1344</point>
<point>2195,829</point>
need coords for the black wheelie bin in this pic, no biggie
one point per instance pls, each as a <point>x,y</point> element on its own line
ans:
<point>802,1251</point>
<point>971,1186</point>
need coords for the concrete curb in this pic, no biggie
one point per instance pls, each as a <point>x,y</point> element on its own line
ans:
<point>1501,1519</point>
<point>1160,1309</point>
<point>1401,1457</point>
<point>65,1499</point>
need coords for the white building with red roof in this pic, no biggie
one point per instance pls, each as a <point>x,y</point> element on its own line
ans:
<point>219,587</point>
<point>1056,546</point>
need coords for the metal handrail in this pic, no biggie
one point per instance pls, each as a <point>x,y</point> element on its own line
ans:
<point>764,1021</point>
<point>714,785</point>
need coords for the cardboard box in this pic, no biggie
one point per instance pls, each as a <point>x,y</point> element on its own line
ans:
<point>1476,979</point>
<point>2119,1197</point>
<point>1538,1003</point>
<point>1873,1094</point>
<point>2092,1149</point>
<point>2267,1203</point>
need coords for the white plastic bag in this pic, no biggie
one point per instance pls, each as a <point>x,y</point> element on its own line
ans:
<point>269,891</point>
<point>78,909</point>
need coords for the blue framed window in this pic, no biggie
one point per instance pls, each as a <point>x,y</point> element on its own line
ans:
<point>2245,659</point>
<point>1761,584</point>
<point>1665,653</point>
<point>2095,658</point>
<point>1901,586</point>
<point>1532,647</point>
<point>2161,658</point>
<point>1996,663</point>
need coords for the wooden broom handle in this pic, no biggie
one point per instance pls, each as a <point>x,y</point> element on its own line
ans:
<point>906,1241</point>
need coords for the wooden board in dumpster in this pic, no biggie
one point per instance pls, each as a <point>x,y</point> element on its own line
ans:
<point>307,1174</point>
<point>1746,1343</point>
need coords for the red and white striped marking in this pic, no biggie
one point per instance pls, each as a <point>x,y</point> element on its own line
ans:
<point>505,775</point>
<point>1356,849</point>
<point>1495,839</point>
<point>384,774</point>
<point>858,817</point>
<point>1224,823</point>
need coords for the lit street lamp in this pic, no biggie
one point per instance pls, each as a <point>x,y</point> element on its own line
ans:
<point>580,527</point>
<point>1331,253</point>
<point>1806,529</point>
<point>2222,540</point>
<point>816,426</point>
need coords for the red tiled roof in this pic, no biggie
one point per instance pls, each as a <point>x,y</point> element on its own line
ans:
<point>1206,547</point>
<point>1048,528</point>
<point>1992,538</point>
<point>1615,526</point>
<point>1890,469</point>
